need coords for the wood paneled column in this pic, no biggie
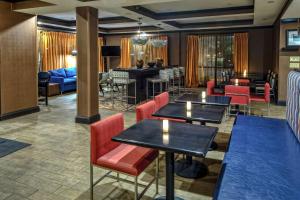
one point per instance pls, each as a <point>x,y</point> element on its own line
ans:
<point>87,65</point>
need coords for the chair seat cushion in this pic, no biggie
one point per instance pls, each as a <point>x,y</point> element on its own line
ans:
<point>257,98</point>
<point>69,81</point>
<point>128,159</point>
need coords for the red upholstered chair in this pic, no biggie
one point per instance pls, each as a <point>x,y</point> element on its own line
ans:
<point>145,111</point>
<point>265,98</point>
<point>118,157</point>
<point>240,95</point>
<point>161,100</point>
<point>210,89</point>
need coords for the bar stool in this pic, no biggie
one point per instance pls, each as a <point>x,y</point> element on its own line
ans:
<point>171,80</point>
<point>177,79</point>
<point>182,76</point>
<point>121,78</point>
<point>163,78</point>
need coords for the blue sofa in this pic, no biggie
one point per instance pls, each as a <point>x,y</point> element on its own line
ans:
<point>66,77</point>
<point>263,158</point>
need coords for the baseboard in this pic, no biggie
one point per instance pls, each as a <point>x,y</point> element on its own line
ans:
<point>19,113</point>
<point>87,120</point>
<point>281,103</point>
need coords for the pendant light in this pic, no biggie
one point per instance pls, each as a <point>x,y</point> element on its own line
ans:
<point>158,42</point>
<point>141,38</point>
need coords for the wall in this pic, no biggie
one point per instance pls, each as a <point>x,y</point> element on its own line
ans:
<point>283,60</point>
<point>261,47</point>
<point>18,62</point>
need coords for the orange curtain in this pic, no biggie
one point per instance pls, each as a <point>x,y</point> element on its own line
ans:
<point>56,49</point>
<point>158,52</point>
<point>125,53</point>
<point>101,60</point>
<point>192,56</point>
<point>240,46</point>
<point>149,53</point>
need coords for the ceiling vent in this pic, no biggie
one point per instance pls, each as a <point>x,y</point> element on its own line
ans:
<point>86,0</point>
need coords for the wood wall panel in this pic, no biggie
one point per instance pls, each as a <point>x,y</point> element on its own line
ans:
<point>18,66</point>
<point>283,62</point>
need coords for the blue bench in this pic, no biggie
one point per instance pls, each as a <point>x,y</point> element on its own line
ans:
<point>262,161</point>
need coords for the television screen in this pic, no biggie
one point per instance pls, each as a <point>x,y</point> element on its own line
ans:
<point>110,50</point>
<point>292,38</point>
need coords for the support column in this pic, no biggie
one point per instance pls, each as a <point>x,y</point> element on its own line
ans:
<point>87,65</point>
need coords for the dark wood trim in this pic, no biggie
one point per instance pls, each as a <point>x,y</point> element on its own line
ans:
<point>211,24</point>
<point>114,20</point>
<point>87,120</point>
<point>133,29</point>
<point>56,28</point>
<point>56,21</point>
<point>190,14</point>
<point>19,113</point>
<point>284,8</point>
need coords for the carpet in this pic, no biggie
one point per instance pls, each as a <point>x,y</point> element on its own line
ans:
<point>10,146</point>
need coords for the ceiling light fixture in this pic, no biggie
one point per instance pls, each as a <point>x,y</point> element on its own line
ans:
<point>159,42</point>
<point>141,38</point>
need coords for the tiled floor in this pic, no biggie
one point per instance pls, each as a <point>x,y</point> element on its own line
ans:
<point>56,165</point>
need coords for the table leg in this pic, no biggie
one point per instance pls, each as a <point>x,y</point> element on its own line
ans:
<point>170,194</point>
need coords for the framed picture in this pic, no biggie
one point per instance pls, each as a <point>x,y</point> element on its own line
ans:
<point>292,38</point>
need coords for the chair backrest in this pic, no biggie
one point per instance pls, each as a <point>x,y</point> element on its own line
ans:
<point>182,71</point>
<point>240,95</point>
<point>164,75</point>
<point>267,92</point>
<point>171,73</point>
<point>101,134</point>
<point>43,76</point>
<point>176,72</point>
<point>120,77</point>
<point>210,87</point>
<point>145,111</point>
<point>161,100</point>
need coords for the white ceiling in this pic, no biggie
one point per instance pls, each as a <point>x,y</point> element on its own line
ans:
<point>293,10</point>
<point>265,11</point>
<point>188,5</point>
<point>72,16</point>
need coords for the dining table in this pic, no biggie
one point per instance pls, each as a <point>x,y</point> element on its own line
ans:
<point>183,138</point>
<point>187,167</point>
<point>196,98</point>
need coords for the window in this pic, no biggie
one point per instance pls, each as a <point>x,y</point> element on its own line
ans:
<point>216,56</point>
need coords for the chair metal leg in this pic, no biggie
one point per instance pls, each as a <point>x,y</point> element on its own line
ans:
<point>91,183</point>
<point>147,96</point>
<point>118,177</point>
<point>157,174</point>
<point>153,85</point>
<point>136,194</point>
<point>268,108</point>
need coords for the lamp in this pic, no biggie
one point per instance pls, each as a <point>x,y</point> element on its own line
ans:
<point>141,38</point>
<point>158,42</point>
<point>188,106</point>
<point>245,73</point>
<point>74,52</point>
<point>236,81</point>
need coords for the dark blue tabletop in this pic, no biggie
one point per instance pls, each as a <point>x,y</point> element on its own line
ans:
<point>201,113</point>
<point>209,100</point>
<point>182,138</point>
